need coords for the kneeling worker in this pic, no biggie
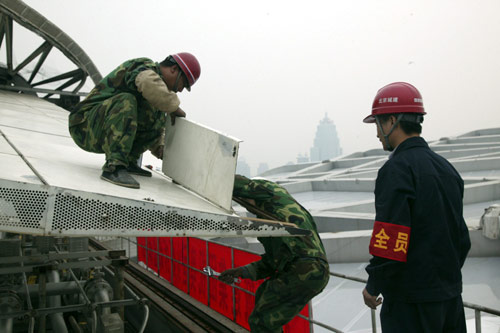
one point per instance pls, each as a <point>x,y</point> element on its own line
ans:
<point>125,114</point>
<point>296,268</point>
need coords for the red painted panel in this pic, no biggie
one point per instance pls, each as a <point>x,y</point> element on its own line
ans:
<point>219,257</point>
<point>221,295</point>
<point>198,286</point>
<point>297,324</point>
<point>165,263</point>
<point>221,298</point>
<point>141,251</point>
<point>244,307</point>
<point>152,261</point>
<point>179,277</point>
<point>179,251</point>
<point>197,253</point>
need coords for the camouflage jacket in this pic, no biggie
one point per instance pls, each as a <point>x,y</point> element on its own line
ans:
<point>120,80</point>
<point>279,251</point>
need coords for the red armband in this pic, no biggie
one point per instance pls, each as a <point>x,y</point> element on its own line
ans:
<point>390,241</point>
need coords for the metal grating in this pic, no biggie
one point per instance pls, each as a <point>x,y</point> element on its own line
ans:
<point>22,208</point>
<point>76,212</point>
<point>54,211</point>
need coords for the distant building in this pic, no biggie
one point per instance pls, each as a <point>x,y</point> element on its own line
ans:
<point>263,167</point>
<point>302,158</point>
<point>242,168</point>
<point>326,143</point>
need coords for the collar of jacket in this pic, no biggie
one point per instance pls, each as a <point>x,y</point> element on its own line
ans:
<point>415,141</point>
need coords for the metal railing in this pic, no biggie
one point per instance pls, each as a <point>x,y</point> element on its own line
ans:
<point>132,242</point>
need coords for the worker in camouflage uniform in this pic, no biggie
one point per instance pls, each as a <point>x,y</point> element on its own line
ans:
<point>296,268</point>
<point>125,114</point>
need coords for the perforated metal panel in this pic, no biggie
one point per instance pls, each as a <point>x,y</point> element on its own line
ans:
<point>22,209</point>
<point>44,210</point>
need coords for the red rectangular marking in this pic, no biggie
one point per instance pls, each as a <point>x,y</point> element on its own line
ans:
<point>390,241</point>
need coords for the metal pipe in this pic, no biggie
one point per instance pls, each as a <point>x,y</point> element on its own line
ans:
<point>69,308</point>
<point>129,255</point>
<point>119,291</point>
<point>74,325</point>
<point>52,289</point>
<point>102,295</point>
<point>374,320</point>
<point>477,314</point>
<point>310,308</point>
<point>6,325</point>
<point>145,320</point>
<point>31,325</point>
<point>136,298</point>
<point>87,301</point>
<point>57,319</point>
<point>42,301</point>
<point>482,308</point>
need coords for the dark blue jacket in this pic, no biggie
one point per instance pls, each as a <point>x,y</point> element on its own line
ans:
<point>420,192</point>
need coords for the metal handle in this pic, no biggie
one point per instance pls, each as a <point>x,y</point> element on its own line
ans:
<point>210,272</point>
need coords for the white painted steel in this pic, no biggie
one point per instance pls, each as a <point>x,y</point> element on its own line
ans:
<point>74,201</point>
<point>54,211</point>
<point>202,160</point>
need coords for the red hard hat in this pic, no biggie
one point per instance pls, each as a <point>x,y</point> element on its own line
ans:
<point>189,65</point>
<point>397,97</point>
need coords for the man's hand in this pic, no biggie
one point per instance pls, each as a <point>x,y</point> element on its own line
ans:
<point>229,275</point>
<point>371,301</point>
<point>177,113</point>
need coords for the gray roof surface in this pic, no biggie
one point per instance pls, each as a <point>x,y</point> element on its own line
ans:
<point>339,194</point>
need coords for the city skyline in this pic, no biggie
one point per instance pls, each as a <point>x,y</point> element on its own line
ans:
<point>325,146</point>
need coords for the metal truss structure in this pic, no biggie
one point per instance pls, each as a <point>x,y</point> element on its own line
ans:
<point>17,11</point>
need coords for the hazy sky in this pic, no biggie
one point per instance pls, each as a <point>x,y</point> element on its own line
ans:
<point>272,69</point>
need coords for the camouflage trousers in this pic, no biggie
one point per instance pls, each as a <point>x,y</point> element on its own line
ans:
<point>280,298</point>
<point>118,128</point>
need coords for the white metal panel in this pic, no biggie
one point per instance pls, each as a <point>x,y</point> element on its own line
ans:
<point>42,136</point>
<point>12,167</point>
<point>5,148</point>
<point>52,187</point>
<point>61,163</point>
<point>202,160</point>
<point>29,119</point>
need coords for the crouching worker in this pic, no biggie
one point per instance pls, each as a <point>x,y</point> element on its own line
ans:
<point>125,114</point>
<point>296,268</point>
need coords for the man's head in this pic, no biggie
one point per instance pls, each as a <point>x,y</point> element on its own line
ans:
<point>398,111</point>
<point>180,70</point>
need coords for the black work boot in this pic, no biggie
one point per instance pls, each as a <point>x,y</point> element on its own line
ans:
<point>120,177</point>
<point>137,170</point>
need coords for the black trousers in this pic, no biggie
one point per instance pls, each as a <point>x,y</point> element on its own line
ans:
<point>432,317</point>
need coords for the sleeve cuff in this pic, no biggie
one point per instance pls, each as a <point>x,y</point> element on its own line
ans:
<point>249,272</point>
<point>371,288</point>
<point>244,273</point>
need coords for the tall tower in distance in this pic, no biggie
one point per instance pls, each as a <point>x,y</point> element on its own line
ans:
<point>326,143</point>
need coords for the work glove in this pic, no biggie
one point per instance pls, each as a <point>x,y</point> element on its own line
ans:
<point>229,275</point>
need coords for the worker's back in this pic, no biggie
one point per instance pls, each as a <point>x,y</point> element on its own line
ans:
<point>439,239</point>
